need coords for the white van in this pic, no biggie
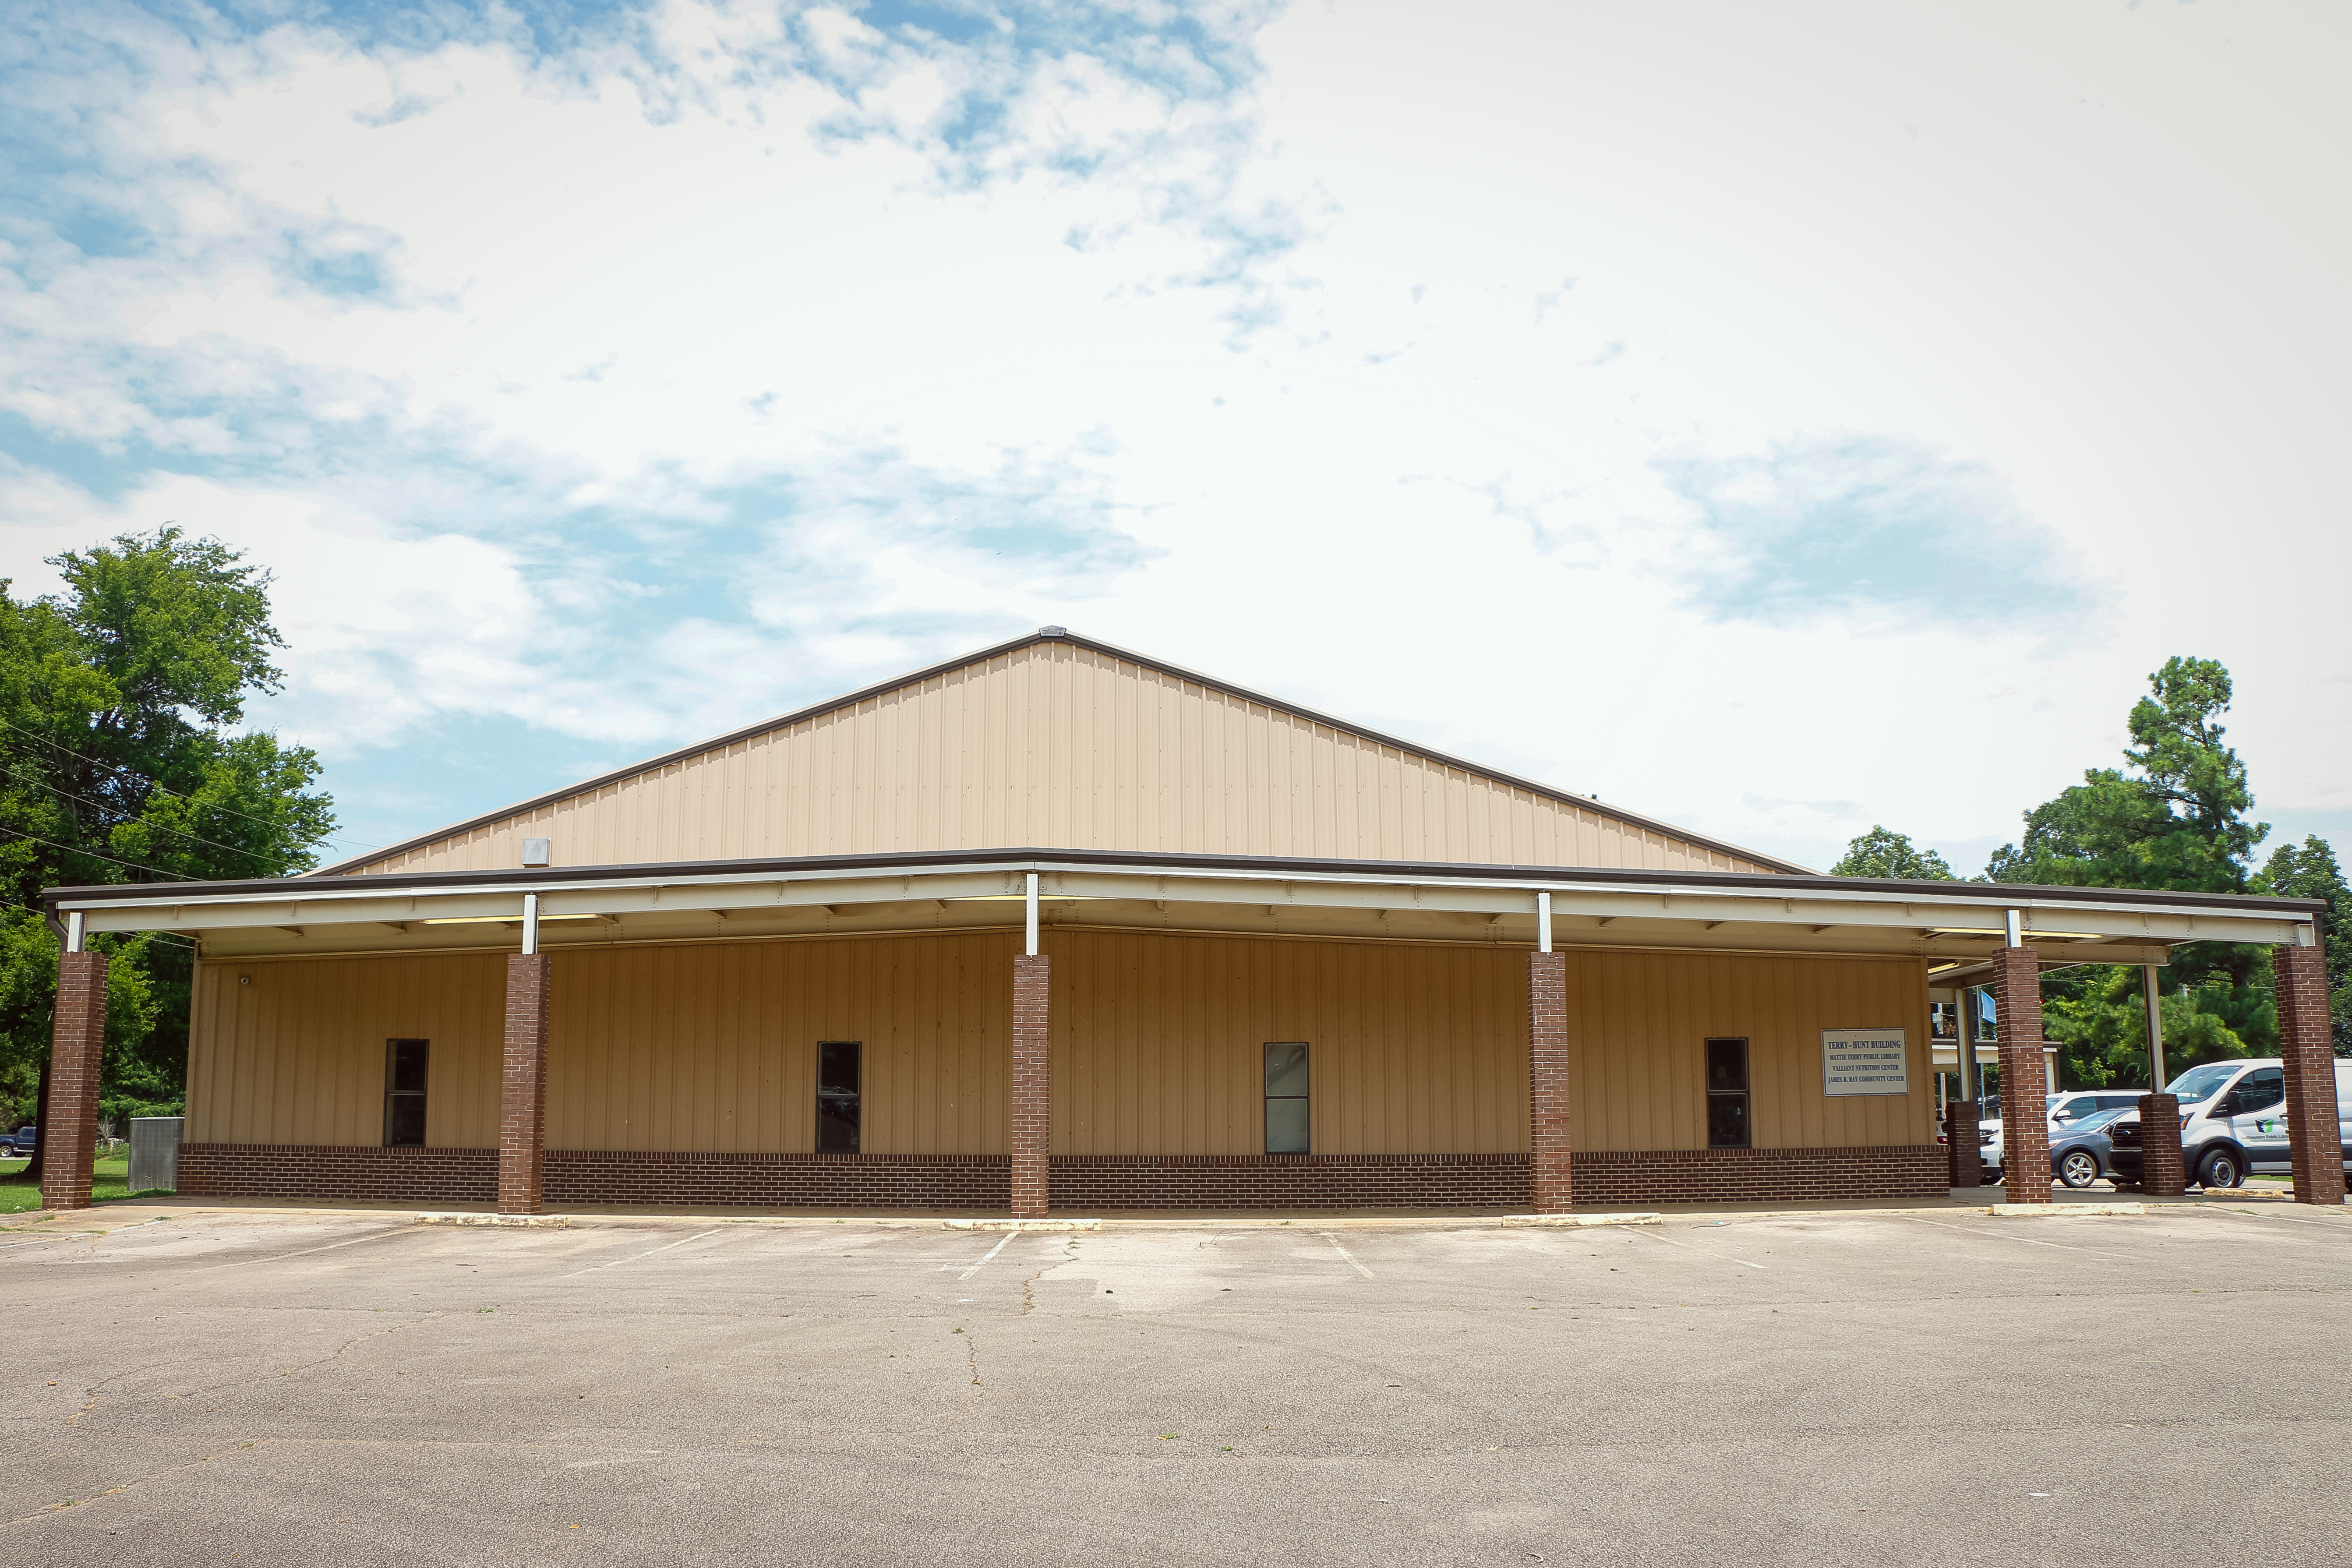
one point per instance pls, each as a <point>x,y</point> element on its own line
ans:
<point>2232,1120</point>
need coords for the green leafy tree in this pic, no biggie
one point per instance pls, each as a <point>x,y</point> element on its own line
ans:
<point>2176,817</point>
<point>1881,853</point>
<point>122,760</point>
<point>2097,1017</point>
<point>2309,870</point>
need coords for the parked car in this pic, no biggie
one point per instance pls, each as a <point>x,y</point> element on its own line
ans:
<point>2082,1153</point>
<point>26,1138</point>
<point>2065,1111</point>
<point>2232,1120</point>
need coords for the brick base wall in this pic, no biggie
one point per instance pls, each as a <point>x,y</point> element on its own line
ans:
<point>1084,1183</point>
<point>1761,1175</point>
<point>328,1173</point>
<point>331,1172</point>
<point>1081,1183</point>
<point>958,1182</point>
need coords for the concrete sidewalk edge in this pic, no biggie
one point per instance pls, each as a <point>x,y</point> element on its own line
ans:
<point>119,1214</point>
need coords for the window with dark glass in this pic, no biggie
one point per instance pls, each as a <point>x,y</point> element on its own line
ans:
<point>404,1093</point>
<point>1727,1094</point>
<point>2260,1089</point>
<point>838,1065</point>
<point>1287,1121</point>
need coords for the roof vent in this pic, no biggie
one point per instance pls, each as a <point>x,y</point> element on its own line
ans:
<point>534,851</point>
<point>1053,631</point>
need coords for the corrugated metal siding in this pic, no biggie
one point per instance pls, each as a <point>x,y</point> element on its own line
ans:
<point>713,1049</point>
<point>1638,1023</point>
<point>1157,1042</point>
<point>1059,746</point>
<point>298,1055</point>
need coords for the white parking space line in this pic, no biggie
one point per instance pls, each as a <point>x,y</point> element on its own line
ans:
<point>282,1257</point>
<point>634,1257</point>
<point>1687,1247</point>
<point>2027,1240</point>
<point>2290,1219</point>
<point>45,1240</point>
<point>1346,1254</point>
<point>991,1253</point>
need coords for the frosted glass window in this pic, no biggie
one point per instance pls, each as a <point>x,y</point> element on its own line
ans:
<point>1287,1124</point>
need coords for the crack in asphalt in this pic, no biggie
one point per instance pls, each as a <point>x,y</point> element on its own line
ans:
<point>98,1389</point>
<point>1029,1286</point>
<point>136,1480</point>
<point>358,1339</point>
<point>244,1444</point>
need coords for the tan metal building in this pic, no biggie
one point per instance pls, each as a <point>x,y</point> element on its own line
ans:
<point>1061,925</point>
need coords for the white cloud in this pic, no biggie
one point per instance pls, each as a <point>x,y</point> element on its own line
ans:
<point>1406,368</point>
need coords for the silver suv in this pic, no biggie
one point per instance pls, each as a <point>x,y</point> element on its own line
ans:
<point>2062,1110</point>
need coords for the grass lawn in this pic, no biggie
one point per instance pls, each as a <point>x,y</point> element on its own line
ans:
<point>21,1195</point>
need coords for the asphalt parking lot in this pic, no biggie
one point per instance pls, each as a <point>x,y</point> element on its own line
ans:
<point>1861,1388</point>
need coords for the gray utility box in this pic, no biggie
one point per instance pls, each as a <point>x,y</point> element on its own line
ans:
<point>155,1152</point>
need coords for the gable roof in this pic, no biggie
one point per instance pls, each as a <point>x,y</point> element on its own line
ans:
<point>963,735</point>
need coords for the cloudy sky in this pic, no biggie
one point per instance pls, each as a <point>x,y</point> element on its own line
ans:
<point>1777,419</point>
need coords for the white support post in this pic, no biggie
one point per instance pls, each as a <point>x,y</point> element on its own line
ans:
<point>1543,922</point>
<point>73,930</point>
<point>2016,924</point>
<point>1031,913</point>
<point>2155,1028</point>
<point>1966,1029</point>
<point>530,923</point>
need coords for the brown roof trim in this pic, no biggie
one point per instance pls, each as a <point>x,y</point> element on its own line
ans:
<point>1998,894</point>
<point>834,705</point>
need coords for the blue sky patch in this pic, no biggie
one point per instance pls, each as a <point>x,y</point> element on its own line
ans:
<point>1828,525</point>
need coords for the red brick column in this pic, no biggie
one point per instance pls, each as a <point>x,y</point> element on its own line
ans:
<point>2308,1055</point>
<point>1548,1139</point>
<point>2024,1121</point>
<point>522,1090</point>
<point>1033,1090</point>
<point>77,1048</point>
<point>1960,1118</point>
<point>2160,1171</point>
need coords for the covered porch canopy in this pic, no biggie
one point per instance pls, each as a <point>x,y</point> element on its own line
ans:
<point>1964,932</point>
<point>1960,925</point>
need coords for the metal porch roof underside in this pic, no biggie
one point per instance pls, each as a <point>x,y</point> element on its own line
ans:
<point>960,890</point>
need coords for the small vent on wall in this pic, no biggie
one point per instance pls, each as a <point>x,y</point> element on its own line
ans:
<point>534,851</point>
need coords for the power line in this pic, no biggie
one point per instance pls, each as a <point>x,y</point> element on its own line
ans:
<point>143,822</point>
<point>159,789</point>
<point>94,855</point>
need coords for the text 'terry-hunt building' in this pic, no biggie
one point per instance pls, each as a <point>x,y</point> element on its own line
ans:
<point>1057,926</point>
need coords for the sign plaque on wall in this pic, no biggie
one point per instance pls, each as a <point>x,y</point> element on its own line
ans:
<point>1864,1061</point>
